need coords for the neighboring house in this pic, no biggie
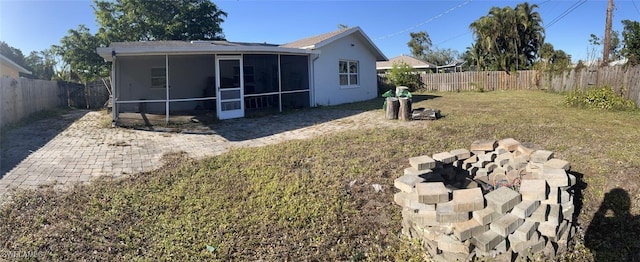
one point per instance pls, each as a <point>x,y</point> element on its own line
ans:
<point>235,78</point>
<point>421,66</point>
<point>455,66</point>
<point>9,68</point>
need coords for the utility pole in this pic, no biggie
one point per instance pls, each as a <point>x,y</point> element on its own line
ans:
<point>607,35</point>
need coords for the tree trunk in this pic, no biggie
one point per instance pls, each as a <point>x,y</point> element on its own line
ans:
<point>405,109</point>
<point>392,108</point>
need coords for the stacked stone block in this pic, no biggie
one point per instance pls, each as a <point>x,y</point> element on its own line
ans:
<point>497,199</point>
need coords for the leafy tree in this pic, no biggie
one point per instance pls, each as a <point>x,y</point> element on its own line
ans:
<point>419,44</point>
<point>593,50</point>
<point>133,20</point>
<point>440,56</point>
<point>614,49</point>
<point>402,74</point>
<point>631,39</point>
<point>509,39</point>
<point>560,61</point>
<point>552,60</point>
<point>78,49</point>
<point>475,57</point>
<point>546,51</point>
<point>42,64</point>
<point>420,47</point>
<point>14,54</point>
<point>594,47</point>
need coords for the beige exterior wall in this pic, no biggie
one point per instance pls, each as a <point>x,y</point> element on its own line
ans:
<point>8,71</point>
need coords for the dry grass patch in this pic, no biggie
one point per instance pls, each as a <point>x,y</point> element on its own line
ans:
<point>314,199</point>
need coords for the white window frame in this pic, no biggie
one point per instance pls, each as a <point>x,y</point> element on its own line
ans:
<point>349,74</point>
<point>163,76</point>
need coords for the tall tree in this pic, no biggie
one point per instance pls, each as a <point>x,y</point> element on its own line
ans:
<point>510,38</point>
<point>530,33</point>
<point>614,47</point>
<point>14,54</point>
<point>42,64</point>
<point>631,39</point>
<point>475,57</point>
<point>560,61</point>
<point>419,44</point>
<point>593,49</point>
<point>134,20</point>
<point>441,56</point>
<point>78,49</point>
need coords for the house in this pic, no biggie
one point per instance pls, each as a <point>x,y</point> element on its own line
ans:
<point>235,78</point>
<point>455,66</point>
<point>9,68</point>
<point>383,67</point>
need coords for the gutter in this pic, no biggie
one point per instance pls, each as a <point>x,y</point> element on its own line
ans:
<point>105,52</point>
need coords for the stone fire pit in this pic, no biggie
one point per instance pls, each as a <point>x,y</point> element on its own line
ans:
<point>499,199</point>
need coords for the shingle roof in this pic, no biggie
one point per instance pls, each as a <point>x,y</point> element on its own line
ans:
<point>412,61</point>
<point>314,40</point>
<point>306,45</point>
<point>318,41</point>
<point>184,43</point>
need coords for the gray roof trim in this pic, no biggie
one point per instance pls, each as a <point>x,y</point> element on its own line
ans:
<point>319,41</point>
<point>14,64</point>
<point>190,48</point>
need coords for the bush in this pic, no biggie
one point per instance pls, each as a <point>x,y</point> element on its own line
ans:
<point>599,98</point>
<point>402,74</point>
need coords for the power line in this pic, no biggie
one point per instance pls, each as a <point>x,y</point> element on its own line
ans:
<point>566,12</point>
<point>634,5</point>
<point>452,38</point>
<point>469,32</point>
<point>425,22</point>
<point>544,2</point>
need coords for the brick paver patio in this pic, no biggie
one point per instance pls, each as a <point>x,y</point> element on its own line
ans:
<point>76,147</point>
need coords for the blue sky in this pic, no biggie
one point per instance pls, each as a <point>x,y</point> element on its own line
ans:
<point>37,24</point>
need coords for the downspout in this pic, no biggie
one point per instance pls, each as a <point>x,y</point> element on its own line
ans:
<point>166,76</point>
<point>114,86</point>
<point>312,79</point>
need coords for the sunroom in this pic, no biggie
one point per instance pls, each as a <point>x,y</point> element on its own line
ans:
<point>229,79</point>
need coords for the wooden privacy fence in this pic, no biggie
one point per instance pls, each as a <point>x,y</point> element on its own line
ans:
<point>476,81</point>
<point>625,80</point>
<point>95,94</point>
<point>21,97</point>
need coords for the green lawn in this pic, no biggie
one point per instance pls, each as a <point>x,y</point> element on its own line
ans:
<point>293,201</point>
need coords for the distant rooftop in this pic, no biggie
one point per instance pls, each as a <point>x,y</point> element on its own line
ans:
<point>411,61</point>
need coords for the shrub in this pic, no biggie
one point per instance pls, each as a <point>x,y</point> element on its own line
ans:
<point>402,74</point>
<point>599,98</point>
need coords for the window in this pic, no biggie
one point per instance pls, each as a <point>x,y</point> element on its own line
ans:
<point>158,77</point>
<point>348,73</point>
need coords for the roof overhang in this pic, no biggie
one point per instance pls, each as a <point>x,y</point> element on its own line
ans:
<point>9,62</point>
<point>109,52</point>
<point>359,33</point>
<point>414,67</point>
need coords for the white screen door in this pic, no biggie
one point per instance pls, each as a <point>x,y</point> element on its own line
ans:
<point>230,86</point>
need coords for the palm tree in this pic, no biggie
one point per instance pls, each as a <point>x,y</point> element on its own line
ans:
<point>475,56</point>
<point>510,38</point>
<point>531,32</point>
